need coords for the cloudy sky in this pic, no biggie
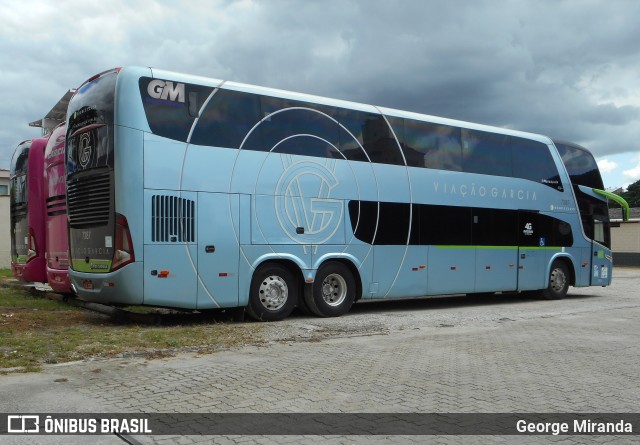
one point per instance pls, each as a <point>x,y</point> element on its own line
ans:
<point>568,69</point>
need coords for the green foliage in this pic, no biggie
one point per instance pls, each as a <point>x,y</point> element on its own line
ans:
<point>632,195</point>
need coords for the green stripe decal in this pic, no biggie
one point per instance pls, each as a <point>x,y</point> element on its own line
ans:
<point>499,247</point>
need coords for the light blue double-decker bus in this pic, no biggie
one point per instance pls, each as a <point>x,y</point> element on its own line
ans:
<point>199,193</point>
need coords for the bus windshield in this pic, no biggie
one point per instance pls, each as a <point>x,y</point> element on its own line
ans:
<point>583,171</point>
<point>581,166</point>
<point>18,202</point>
<point>18,179</point>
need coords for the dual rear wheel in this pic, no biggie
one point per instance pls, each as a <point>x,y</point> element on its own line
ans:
<point>276,290</point>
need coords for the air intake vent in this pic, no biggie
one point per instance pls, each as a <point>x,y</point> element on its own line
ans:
<point>19,209</point>
<point>172,219</point>
<point>89,200</point>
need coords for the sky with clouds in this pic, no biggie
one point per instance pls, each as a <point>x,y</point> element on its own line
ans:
<point>564,68</point>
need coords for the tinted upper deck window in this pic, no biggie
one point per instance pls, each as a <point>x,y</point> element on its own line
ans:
<point>433,145</point>
<point>298,128</point>
<point>486,153</point>
<point>227,120</point>
<point>532,160</point>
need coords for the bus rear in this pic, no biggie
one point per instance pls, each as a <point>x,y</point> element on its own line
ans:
<point>100,244</point>
<point>57,241</point>
<point>26,206</point>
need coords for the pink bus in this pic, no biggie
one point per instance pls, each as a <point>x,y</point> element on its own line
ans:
<point>26,184</point>
<point>57,245</point>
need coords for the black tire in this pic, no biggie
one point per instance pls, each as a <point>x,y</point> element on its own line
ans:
<point>302,305</point>
<point>333,291</point>
<point>558,283</point>
<point>273,293</point>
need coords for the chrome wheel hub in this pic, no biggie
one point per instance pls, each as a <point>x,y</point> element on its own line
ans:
<point>334,289</point>
<point>273,292</point>
<point>558,280</point>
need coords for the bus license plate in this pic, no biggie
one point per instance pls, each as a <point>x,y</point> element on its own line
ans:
<point>87,284</point>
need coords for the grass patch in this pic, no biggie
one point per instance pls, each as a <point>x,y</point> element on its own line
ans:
<point>5,273</point>
<point>36,330</point>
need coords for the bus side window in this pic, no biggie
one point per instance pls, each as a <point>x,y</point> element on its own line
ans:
<point>532,160</point>
<point>486,153</point>
<point>371,132</point>
<point>228,119</point>
<point>379,142</point>
<point>193,104</point>
<point>437,146</point>
<point>600,234</point>
<point>298,128</point>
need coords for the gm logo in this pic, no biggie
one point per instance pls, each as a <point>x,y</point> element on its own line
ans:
<point>166,90</point>
<point>320,216</point>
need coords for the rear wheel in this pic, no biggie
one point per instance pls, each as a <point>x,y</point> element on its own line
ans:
<point>333,291</point>
<point>273,293</point>
<point>558,284</point>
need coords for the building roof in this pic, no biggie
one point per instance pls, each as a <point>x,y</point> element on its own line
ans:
<point>616,213</point>
<point>57,114</point>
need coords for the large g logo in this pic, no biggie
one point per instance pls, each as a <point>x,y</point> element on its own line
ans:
<point>320,216</point>
<point>84,150</point>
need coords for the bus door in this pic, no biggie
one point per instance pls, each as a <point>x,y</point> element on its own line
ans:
<point>218,250</point>
<point>532,258</point>
<point>600,257</point>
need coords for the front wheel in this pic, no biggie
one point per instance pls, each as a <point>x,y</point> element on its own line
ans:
<point>273,293</point>
<point>558,284</point>
<point>333,291</point>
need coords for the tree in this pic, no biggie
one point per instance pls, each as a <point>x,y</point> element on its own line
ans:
<point>632,195</point>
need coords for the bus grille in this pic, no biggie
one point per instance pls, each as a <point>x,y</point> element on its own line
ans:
<point>89,200</point>
<point>19,209</point>
<point>172,219</point>
<point>57,205</point>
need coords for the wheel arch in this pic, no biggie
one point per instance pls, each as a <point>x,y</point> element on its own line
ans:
<point>290,264</point>
<point>568,262</point>
<point>352,268</point>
